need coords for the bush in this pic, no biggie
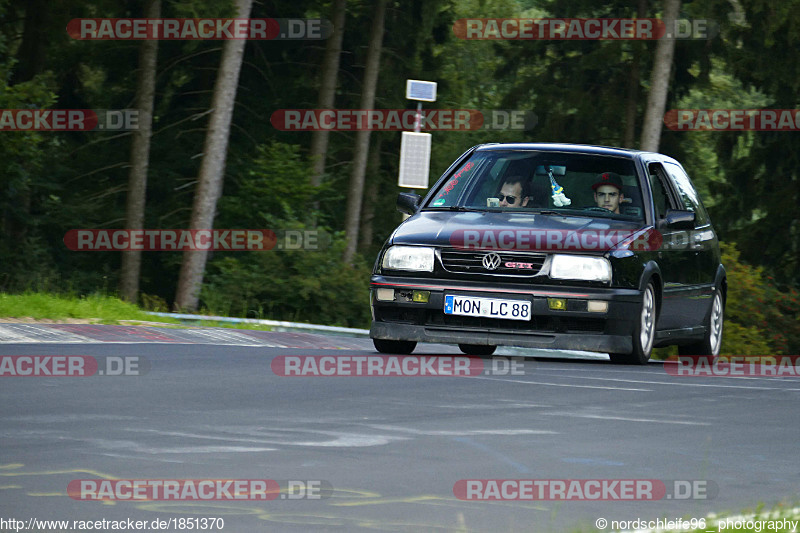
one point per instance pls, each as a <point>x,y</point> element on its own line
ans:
<point>744,340</point>
<point>301,285</point>
<point>760,317</point>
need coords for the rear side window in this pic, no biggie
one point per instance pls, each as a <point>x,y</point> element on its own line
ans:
<point>689,197</point>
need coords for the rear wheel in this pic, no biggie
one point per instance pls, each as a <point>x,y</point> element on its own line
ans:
<point>712,342</point>
<point>396,347</point>
<point>477,349</point>
<point>643,333</point>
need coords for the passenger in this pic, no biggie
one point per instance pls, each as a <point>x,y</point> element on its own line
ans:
<point>608,191</point>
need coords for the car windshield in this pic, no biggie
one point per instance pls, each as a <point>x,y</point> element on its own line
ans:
<point>575,184</point>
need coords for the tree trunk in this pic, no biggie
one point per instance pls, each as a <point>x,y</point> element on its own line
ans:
<point>30,62</point>
<point>370,196</point>
<point>140,157</point>
<point>212,169</point>
<point>327,90</point>
<point>31,53</point>
<point>632,101</point>
<point>659,81</point>
<point>356,189</point>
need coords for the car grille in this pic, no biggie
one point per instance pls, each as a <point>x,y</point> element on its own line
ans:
<point>471,262</point>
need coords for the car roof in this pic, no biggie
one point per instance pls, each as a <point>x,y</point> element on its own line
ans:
<point>566,147</point>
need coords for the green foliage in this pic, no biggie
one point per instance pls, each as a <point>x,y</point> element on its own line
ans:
<point>300,285</point>
<point>275,188</point>
<point>23,156</point>
<point>760,318</point>
<point>697,149</point>
<point>762,180</point>
<point>744,340</point>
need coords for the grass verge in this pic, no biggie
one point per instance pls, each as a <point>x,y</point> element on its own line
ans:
<point>95,308</point>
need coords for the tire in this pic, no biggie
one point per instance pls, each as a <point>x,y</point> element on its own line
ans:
<point>394,347</point>
<point>712,342</point>
<point>643,333</point>
<point>477,349</point>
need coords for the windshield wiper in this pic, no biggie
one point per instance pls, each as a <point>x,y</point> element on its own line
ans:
<point>453,208</point>
<point>575,213</point>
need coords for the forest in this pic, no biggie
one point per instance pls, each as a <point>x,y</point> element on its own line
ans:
<point>208,152</point>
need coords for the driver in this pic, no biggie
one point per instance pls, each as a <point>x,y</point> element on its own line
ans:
<point>608,191</point>
<point>514,192</point>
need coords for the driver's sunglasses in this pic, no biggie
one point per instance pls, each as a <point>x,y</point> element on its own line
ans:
<point>509,199</point>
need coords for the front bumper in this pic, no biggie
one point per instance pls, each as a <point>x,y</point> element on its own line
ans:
<point>571,329</point>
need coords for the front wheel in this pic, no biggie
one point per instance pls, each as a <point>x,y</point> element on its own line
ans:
<point>712,342</point>
<point>643,333</point>
<point>395,347</point>
<point>477,349</point>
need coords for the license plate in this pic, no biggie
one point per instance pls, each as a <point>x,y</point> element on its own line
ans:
<point>487,307</point>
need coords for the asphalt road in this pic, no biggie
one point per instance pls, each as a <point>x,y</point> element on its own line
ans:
<point>391,448</point>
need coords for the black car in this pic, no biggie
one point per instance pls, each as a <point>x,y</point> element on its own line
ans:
<point>553,246</point>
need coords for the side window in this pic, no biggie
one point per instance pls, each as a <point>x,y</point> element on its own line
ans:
<point>660,195</point>
<point>689,197</point>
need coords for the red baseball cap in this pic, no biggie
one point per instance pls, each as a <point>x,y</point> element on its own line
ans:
<point>608,178</point>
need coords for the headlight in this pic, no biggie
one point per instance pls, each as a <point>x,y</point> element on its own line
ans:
<point>418,258</point>
<point>580,267</point>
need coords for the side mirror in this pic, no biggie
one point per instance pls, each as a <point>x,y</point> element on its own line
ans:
<point>677,219</point>
<point>408,202</point>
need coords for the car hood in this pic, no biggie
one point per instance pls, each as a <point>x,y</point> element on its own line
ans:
<point>459,229</point>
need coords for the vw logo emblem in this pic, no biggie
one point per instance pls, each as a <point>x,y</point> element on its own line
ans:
<point>491,261</point>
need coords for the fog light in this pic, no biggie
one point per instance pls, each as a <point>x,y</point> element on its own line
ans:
<point>385,295</point>
<point>421,296</point>
<point>557,304</point>
<point>598,306</point>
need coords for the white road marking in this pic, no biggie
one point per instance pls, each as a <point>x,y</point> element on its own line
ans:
<point>625,418</point>
<point>559,384</point>
<point>464,433</point>
<point>340,440</point>
<point>671,383</point>
<point>31,333</point>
